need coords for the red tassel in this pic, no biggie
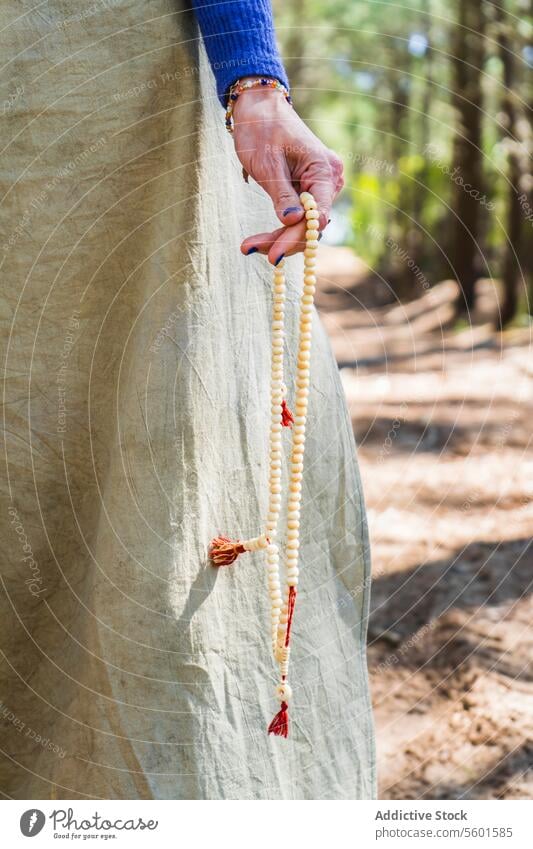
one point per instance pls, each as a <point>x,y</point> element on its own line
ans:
<point>280,723</point>
<point>224,551</point>
<point>287,418</point>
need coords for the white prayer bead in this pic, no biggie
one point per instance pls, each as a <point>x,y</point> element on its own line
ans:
<point>284,692</point>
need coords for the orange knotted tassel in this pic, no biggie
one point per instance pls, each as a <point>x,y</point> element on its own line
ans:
<point>287,418</point>
<point>224,551</point>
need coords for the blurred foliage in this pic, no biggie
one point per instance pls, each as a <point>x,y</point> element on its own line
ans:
<point>379,82</point>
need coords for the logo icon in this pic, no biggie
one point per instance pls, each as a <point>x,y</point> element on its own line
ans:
<point>32,822</point>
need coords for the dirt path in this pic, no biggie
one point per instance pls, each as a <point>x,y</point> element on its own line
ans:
<point>443,424</point>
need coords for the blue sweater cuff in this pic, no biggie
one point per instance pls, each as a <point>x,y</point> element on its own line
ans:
<point>240,41</point>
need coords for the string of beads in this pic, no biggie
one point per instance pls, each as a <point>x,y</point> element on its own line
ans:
<point>224,550</point>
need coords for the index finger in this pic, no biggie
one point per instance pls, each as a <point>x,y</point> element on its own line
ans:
<point>324,181</point>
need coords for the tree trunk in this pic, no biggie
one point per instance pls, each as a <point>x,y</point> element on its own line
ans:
<point>468,51</point>
<point>512,249</point>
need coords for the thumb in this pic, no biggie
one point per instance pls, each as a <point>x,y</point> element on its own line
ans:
<point>284,196</point>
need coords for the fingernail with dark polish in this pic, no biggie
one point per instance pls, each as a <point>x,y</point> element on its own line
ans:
<point>319,236</point>
<point>329,220</point>
<point>251,251</point>
<point>280,257</point>
<point>292,209</point>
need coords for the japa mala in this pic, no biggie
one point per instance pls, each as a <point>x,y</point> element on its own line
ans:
<point>224,551</point>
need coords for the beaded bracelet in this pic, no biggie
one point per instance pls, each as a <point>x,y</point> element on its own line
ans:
<point>238,87</point>
<point>223,550</point>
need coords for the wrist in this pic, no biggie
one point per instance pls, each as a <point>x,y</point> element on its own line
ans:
<point>265,101</point>
<point>255,93</point>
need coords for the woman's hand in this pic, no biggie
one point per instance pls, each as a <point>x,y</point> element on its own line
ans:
<point>277,149</point>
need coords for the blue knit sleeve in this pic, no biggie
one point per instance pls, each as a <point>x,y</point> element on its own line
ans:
<point>240,40</point>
